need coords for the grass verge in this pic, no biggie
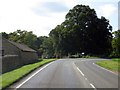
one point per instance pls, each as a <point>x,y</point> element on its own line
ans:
<point>113,65</point>
<point>12,76</point>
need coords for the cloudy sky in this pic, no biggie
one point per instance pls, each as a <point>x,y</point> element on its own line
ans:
<point>41,16</point>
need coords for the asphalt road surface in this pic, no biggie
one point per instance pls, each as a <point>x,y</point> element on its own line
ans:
<point>70,73</point>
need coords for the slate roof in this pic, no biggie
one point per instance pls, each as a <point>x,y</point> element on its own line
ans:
<point>23,47</point>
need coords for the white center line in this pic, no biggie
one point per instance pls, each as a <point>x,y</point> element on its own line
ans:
<point>80,71</point>
<point>85,78</point>
<point>93,86</point>
<point>33,75</point>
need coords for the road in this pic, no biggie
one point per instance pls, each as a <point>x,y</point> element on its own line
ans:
<point>70,73</point>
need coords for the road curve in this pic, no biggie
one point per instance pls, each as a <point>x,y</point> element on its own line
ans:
<point>70,73</point>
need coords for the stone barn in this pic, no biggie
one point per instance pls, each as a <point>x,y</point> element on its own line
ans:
<point>15,55</point>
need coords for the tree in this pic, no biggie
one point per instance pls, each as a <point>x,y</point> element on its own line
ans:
<point>47,46</point>
<point>25,37</point>
<point>82,31</point>
<point>39,45</point>
<point>55,36</point>
<point>116,44</point>
<point>5,35</point>
<point>80,21</point>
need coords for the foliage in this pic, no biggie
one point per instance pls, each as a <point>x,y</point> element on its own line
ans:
<point>25,37</point>
<point>116,44</point>
<point>39,45</point>
<point>81,32</point>
<point>5,35</point>
<point>47,46</point>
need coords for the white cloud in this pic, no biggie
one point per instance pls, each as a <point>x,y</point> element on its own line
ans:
<point>18,14</point>
<point>106,10</point>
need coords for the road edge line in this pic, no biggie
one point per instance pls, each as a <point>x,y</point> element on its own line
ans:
<point>32,76</point>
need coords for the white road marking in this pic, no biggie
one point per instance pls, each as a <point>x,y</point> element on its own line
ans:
<point>73,64</point>
<point>92,86</point>
<point>80,71</point>
<point>85,78</point>
<point>33,75</point>
<point>104,69</point>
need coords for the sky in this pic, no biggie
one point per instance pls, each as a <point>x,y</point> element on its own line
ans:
<point>41,16</point>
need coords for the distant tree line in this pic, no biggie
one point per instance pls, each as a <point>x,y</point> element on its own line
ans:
<point>27,38</point>
<point>81,32</point>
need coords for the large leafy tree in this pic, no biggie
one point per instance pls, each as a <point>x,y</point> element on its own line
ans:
<point>80,21</point>
<point>82,31</point>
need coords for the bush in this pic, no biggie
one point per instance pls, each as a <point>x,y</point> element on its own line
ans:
<point>114,55</point>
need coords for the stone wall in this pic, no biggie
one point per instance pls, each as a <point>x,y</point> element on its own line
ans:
<point>29,57</point>
<point>10,62</point>
<point>13,57</point>
<point>10,56</point>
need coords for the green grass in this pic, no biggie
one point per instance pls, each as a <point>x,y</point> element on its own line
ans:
<point>116,59</point>
<point>10,77</point>
<point>113,65</point>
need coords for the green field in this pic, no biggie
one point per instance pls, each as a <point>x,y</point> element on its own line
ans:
<point>10,77</point>
<point>113,65</point>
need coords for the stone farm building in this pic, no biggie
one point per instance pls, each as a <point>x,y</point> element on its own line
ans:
<point>15,55</point>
